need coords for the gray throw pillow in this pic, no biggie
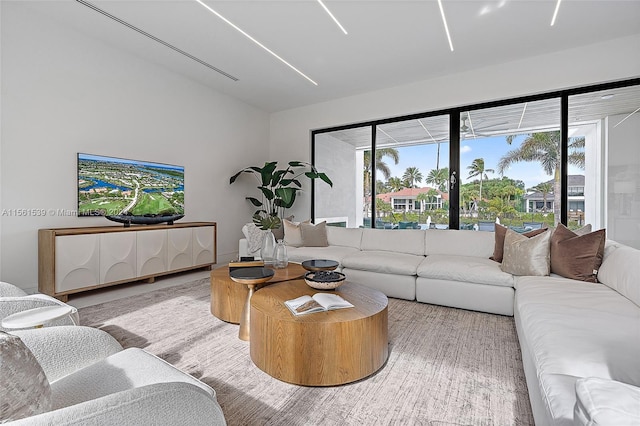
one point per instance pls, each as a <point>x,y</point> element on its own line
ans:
<point>24,388</point>
<point>526,255</point>
<point>314,235</point>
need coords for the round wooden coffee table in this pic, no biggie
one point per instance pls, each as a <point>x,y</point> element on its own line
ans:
<point>322,348</point>
<point>228,297</point>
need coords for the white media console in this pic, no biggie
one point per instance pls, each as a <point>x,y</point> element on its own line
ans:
<point>72,260</point>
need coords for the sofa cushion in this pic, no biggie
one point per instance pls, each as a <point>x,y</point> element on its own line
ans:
<point>500,233</point>
<point>458,242</point>
<point>526,255</point>
<point>347,237</point>
<point>465,269</point>
<point>606,402</point>
<point>620,271</point>
<point>24,388</point>
<point>408,241</point>
<point>128,369</point>
<point>385,262</point>
<point>577,256</point>
<point>337,253</point>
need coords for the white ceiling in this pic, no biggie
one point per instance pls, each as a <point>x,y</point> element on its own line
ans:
<point>389,43</point>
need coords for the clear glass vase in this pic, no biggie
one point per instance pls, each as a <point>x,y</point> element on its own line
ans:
<point>280,258</point>
<point>268,248</point>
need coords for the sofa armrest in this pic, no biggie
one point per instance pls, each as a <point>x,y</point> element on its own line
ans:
<point>158,404</point>
<point>65,349</point>
<point>15,304</point>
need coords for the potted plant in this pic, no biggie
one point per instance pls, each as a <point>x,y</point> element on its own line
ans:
<point>278,188</point>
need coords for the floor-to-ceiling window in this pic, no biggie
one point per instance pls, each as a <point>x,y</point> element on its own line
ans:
<point>510,165</point>
<point>569,156</point>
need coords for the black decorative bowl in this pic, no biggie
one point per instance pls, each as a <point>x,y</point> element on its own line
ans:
<point>324,280</point>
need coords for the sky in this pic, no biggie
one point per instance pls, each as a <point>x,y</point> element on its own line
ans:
<point>490,149</point>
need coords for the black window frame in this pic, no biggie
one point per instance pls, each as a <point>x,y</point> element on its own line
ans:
<point>454,140</point>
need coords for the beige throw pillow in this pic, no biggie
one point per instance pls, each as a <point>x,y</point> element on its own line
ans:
<point>24,388</point>
<point>500,233</point>
<point>292,233</point>
<point>526,256</point>
<point>279,231</point>
<point>314,235</point>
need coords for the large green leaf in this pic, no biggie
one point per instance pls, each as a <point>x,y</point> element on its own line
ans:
<point>286,197</point>
<point>267,192</point>
<point>264,221</point>
<point>255,201</point>
<point>325,179</point>
<point>266,173</point>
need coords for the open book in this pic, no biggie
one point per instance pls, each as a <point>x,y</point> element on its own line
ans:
<point>319,302</point>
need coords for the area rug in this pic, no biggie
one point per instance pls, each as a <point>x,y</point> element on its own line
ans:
<point>446,366</point>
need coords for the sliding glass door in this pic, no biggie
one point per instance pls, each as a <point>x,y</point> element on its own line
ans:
<point>510,166</point>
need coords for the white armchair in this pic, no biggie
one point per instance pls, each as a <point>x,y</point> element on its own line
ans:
<point>94,381</point>
<point>14,300</point>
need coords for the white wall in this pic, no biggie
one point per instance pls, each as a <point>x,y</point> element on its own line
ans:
<point>623,179</point>
<point>64,93</point>
<point>607,61</point>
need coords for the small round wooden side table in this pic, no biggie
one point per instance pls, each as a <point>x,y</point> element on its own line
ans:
<point>228,297</point>
<point>251,277</point>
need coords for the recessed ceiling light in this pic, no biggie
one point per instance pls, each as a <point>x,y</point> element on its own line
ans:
<point>607,96</point>
<point>332,17</point>
<point>446,27</point>
<point>555,13</point>
<point>240,30</point>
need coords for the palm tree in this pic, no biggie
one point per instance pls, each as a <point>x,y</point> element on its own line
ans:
<point>544,148</point>
<point>380,166</point>
<point>477,169</point>
<point>546,188</point>
<point>439,178</point>
<point>395,184</point>
<point>423,198</point>
<point>411,176</point>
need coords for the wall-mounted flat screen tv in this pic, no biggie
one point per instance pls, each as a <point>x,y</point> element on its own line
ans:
<point>110,186</point>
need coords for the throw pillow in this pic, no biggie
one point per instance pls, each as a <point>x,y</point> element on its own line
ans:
<point>577,256</point>
<point>24,388</point>
<point>279,231</point>
<point>292,233</point>
<point>314,235</point>
<point>500,232</point>
<point>524,255</point>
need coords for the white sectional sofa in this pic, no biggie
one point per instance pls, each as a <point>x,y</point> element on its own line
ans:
<point>580,341</point>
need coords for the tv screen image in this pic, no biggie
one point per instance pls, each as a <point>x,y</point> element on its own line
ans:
<point>110,186</point>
